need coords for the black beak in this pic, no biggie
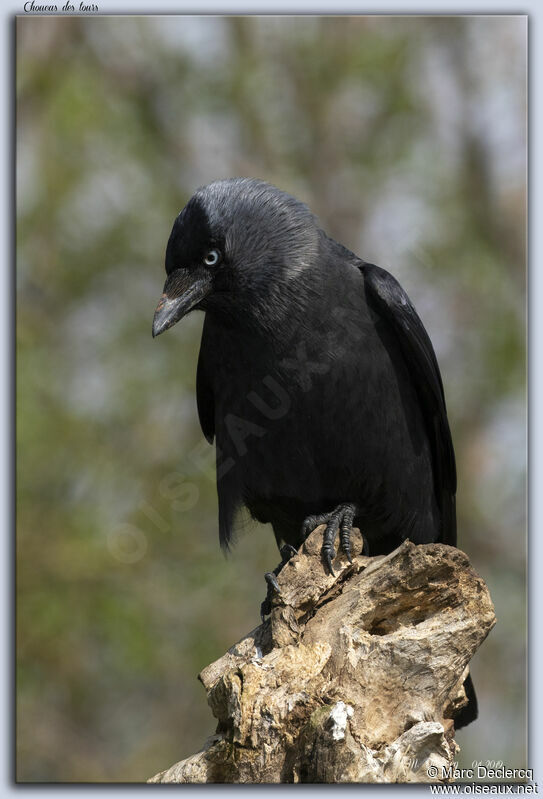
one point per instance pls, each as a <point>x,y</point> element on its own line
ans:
<point>183,290</point>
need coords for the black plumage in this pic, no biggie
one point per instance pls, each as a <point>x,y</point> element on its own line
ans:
<point>316,376</point>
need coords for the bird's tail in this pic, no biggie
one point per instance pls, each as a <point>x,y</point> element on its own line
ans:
<point>448,516</point>
<point>470,712</point>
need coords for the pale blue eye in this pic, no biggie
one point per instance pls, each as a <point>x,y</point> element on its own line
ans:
<point>212,257</point>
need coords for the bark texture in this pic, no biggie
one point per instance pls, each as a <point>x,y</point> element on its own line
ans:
<point>356,677</point>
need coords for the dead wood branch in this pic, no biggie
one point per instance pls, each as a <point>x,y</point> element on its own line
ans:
<point>355,678</point>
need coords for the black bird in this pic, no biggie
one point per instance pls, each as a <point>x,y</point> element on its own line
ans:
<point>316,378</point>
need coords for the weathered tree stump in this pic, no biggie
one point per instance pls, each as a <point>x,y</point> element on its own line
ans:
<point>356,677</point>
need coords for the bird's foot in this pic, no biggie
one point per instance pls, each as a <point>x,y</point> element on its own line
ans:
<point>341,518</point>
<point>287,552</point>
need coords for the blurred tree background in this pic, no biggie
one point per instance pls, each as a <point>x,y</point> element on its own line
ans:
<point>406,135</point>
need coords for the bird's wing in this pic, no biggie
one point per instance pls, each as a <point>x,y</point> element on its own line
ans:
<point>204,397</point>
<point>388,298</point>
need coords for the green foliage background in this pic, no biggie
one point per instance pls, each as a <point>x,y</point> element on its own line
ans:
<point>407,137</point>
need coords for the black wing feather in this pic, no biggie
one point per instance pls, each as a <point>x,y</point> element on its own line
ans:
<point>393,304</point>
<point>205,399</point>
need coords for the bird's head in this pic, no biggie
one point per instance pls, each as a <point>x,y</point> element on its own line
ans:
<point>238,248</point>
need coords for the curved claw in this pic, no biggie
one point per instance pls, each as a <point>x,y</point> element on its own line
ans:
<point>271,579</point>
<point>328,559</point>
